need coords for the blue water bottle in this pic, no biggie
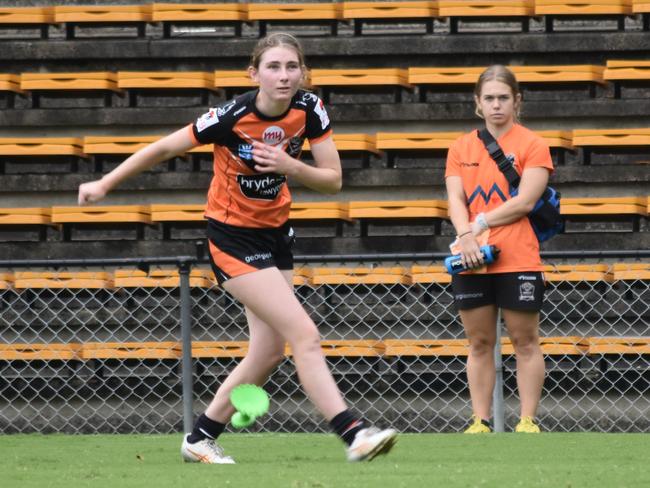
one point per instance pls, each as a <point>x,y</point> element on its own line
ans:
<point>454,265</point>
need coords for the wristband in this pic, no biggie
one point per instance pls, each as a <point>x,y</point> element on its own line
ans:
<point>482,223</point>
<point>463,234</point>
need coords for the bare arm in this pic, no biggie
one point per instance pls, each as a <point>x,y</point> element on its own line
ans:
<point>324,177</point>
<point>532,185</point>
<point>470,251</point>
<point>147,157</point>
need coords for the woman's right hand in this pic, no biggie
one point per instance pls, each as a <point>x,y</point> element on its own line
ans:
<point>470,251</point>
<point>92,192</point>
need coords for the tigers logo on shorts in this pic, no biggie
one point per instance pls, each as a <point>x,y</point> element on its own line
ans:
<point>526,292</point>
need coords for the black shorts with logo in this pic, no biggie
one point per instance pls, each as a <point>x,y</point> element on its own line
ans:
<point>514,291</point>
<point>235,251</point>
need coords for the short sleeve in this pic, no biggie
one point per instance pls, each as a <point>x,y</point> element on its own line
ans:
<point>538,155</point>
<point>210,127</point>
<point>452,167</point>
<point>317,123</point>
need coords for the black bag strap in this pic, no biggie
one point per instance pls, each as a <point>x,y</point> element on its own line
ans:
<point>496,153</point>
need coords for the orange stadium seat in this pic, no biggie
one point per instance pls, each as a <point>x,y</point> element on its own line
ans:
<point>178,14</point>
<point>359,275</point>
<point>375,212</point>
<point>428,274</point>
<point>352,142</point>
<point>165,79</point>
<point>10,82</point>
<point>628,73</point>
<point>619,345</point>
<point>581,9</point>
<point>90,80</point>
<point>27,17</point>
<point>361,79</point>
<point>301,13</point>
<point>348,348</point>
<point>393,12</point>
<point>605,209</point>
<point>577,272</point>
<point>63,279</point>
<point>632,141</point>
<point>41,146</point>
<point>131,350</point>
<point>162,278</point>
<point>121,15</point>
<point>25,216</point>
<point>46,352</point>
<point>6,281</point>
<point>116,144</point>
<point>319,211</point>
<point>631,271</point>
<point>99,218</point>
<point>486,9</point>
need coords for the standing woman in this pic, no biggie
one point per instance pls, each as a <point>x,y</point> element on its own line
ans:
<point>483,210</point>
<point>257,139</point>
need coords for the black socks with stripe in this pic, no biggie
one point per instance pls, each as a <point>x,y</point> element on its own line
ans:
<point>205,428</point>
<point>346,425</point>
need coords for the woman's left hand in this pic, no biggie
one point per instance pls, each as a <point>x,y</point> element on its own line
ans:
<point>271,159</point>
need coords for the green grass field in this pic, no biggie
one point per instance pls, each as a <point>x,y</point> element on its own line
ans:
<point>316,460</point>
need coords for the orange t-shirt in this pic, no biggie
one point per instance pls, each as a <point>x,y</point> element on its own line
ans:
<point>486,188</point>
<point>238,194</point>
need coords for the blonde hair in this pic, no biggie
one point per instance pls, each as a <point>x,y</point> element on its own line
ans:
<point>275,40</point>
<point>499,72</point>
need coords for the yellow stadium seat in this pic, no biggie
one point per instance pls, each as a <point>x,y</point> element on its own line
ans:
<point>577,273</point>
<point>10,82</point>
<point>116,144</point>
<point>359,275</point>
<point>641,7</point>
<point>43,352</point>
<point>631,271</point>
<point>612,137</point>
<point>121,15</point>
<point>63,279</point>
<point>318,211</point>
<point>233,79</point>
<point>348,348</point>
<point>109,214</point>
<point>415,140</point>
<point>162,278</point>
<point>618,70</point>
<point>29,17</point>
<point>6,281</point>
<point>360,77</point>
<point>90,80</point>
<point>41,146</point>
<point>25,216</point>
<point>351,142</point>
<point>619,345</point>
<point>173,14</point>
<point>393,12</point>
<point>165,79</point>
<point>301,13</point>
<point>177,212</point>
<point>614,206</point>
<point>131,350</point>
<point>428,274</point>
<point>485,10</point>
<point>581,9</point>
<point>398,209</point>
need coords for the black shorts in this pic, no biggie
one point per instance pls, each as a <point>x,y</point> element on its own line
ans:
<point>235,251</point>
<point>514,291</point>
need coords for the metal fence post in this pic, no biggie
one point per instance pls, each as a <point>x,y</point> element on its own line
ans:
<point>186,341</point>
<point>497,394</point>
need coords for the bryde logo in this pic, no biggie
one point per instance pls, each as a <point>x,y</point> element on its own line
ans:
<point>273,135</point>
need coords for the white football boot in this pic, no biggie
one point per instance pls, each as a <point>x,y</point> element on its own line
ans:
<point>206,451</point>
<point>371,442</point>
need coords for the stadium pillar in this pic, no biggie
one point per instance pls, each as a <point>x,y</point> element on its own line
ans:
<point>497,394</point>
<point>186,341</point>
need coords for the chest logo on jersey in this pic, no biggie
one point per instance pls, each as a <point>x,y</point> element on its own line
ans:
<point>273,135</point>
<point>261,187</point>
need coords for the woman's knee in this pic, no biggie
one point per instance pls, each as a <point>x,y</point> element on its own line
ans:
<point>526,347</point>
<point>481,346</point>
<point>307,342</point>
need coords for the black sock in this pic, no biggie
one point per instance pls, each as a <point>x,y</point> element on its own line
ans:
<point>346,425</point>
<point>205,428</point>
<point>487,423</point>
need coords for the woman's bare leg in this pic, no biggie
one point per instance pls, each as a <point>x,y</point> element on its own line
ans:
<point>523,332</point>
<point>480,328</point>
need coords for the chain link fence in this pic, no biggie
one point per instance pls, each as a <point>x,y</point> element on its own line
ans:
<point>100,348</point>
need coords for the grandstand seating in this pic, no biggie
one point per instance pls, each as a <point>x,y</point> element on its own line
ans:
<point>102,15</point>
<point>552,9</point>
<point>27,18</point>
<point>178,15</point>
<point>301,13</point>
<point>373,12</point>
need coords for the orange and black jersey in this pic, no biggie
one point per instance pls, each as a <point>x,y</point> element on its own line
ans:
<point>238,194</point>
